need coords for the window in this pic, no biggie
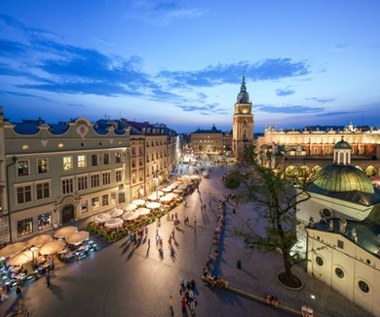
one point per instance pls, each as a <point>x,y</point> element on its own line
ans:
<point>106,178</point>
<point>43,190</point>
<point>95,202</point>
<point>133,163</point>
<point>119,176</point>
<point>67,163</point>
<point>81,161</point>
<point>133,151</point>
<point>363,286</point>
<point>82,183</point>
<point>105,200</point>
<point>24,227</point>
<point>24,194</point>
<point>23,168</point>
<point>84,207</point>
<point>42,166</point>
<point>319,260</point>
<point>118,157</point>
<point>339,272</point>
<point>106,158</point>
<point>94,159</point>
<point>67,186</point>
<point>340,244</point>
<point>44,221</point>
<point>121,198</point>
<point>95,180</point>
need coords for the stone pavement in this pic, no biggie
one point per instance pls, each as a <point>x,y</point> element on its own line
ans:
<point>258,276</point>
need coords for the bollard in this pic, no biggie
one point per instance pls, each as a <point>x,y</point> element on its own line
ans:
<point>238,264</point>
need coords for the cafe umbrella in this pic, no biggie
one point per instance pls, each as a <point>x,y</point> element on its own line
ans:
<point>52,247</point>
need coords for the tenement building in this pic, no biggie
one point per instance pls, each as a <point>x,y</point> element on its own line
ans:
<point>53,174</point>
<point>211,141</point>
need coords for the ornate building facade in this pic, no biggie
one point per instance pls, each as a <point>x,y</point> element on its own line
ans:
<point>342,232</point>
<point>212,141</point>
<point>243,124</point>
<point>54,174</point>
<point>309,149</point>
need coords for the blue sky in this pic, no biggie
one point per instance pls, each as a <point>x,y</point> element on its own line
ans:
<point>181,62</point>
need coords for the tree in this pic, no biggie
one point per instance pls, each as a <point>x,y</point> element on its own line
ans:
<point>279,200</point>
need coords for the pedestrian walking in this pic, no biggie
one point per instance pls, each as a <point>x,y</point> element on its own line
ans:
<point>171,305</point>
<point>47,278</point>
<point>148,243</point>
<point>183,305</point>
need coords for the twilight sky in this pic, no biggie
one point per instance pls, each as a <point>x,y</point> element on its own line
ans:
<point>180,62</point>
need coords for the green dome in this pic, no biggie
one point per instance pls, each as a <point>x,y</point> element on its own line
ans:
<point>342,145</point>
<point>343,178</point>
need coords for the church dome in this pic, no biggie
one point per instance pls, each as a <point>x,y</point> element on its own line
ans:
<point>337,178</point>
<point>342,145</point>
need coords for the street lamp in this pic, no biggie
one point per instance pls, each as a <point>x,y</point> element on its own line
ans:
<point>32,249</point>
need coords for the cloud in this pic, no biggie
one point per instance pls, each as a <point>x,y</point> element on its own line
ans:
<point>336,113</point>
<point>213,75</point>
<point>284,92</point>
<point>162,13</point>
<point>289,109</point>
<point>321,100</point>
<point>209,109</point>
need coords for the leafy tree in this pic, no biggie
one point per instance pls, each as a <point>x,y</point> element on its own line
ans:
<point>278,200</point>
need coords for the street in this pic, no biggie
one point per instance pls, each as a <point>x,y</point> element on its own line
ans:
<point>125,280</point>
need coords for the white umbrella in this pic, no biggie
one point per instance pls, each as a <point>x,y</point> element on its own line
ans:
<point>153,205</point>
<point>52,247</point>
<point>131,207</point>
<point>20,259</point>
<point>114,223</point>
<point>165,199</point>
<point>138,202</point>
<point>167,189</point>
<point>13,249</point>
<point>178,191</point>
<point>143,211</point>
<point>183,186</point>
<point>39,240</point>
<point>65,232</point>
<point>102,218</point>
<point>152,197</point>
<point>78,237</point>
<point>128,216</point>
<point>116,212</point>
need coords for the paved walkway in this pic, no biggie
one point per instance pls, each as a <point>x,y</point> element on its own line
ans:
<point>258,276</point>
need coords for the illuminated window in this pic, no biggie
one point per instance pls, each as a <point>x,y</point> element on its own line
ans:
<point>23,168</point>
<point>105,200</point>
<point>67,163</point>
<point>25,147</point>
<point>95,202</point>
<point>42,166</point>
<point>121,197</point>
<point>81,161</point>
<point>24,227</point>
<point>118,157</point>
<point>44,221</point>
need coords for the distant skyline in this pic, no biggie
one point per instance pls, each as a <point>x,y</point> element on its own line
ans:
<point>181,62</point>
